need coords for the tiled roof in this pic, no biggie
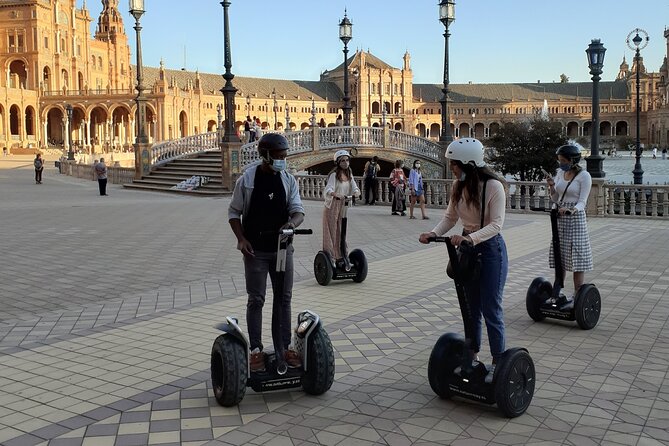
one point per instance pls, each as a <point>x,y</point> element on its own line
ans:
<point>474,93</point>
<point>370,61</point>
<point>256,87</point>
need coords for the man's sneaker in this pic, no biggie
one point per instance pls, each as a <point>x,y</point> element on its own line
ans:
<point>292,359</point>
<point>491,374</point>
<point>257,360</point>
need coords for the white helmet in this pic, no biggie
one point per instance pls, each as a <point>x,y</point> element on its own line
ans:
<point>339,153</point>
<point>466,150</point>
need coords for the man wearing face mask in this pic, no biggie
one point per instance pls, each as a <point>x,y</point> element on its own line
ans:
<point>266,199</point>
<point>569,190</point>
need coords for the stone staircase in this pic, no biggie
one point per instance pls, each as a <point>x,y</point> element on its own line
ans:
<point>164,177</point>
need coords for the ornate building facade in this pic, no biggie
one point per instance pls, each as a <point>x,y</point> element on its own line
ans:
<point>52,61</point>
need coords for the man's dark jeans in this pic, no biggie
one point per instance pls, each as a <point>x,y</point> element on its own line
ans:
<point>256,270</point>
<point>102,185</point>
<point>371,185</point>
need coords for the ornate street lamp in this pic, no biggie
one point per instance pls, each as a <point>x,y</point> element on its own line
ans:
<point>637,40</point>
<point>70,150</point>
<point>473,125</point>
<point>248,105</point>
<point>228,90</point>
<point>142,161</point>
<point>345,35</point>
<point>275,107</point>
<point>595,54</point>
<point>447,16</point>
<point>266,115</point>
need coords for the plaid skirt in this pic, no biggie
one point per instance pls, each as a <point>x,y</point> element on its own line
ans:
<point>574,242</point>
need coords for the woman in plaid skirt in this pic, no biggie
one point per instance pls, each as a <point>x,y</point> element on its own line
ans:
<point>570,189</point>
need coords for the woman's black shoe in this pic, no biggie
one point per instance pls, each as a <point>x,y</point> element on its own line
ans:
<point>395,213</point>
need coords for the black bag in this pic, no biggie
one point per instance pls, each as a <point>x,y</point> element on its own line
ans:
<point>371,171</point>
<point>469,261</point>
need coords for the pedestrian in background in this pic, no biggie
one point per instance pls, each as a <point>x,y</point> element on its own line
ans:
<point>398,182</point>
<point>100,170</point>
<point>39,167</point>
<point>371,173</point>
<point>416,191</point>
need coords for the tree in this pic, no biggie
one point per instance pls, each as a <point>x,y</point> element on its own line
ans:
<point>522,149</point>
<point>624,142</point>
<point>564,78</point>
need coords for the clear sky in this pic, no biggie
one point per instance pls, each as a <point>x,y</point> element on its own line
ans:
<point>491,41</point>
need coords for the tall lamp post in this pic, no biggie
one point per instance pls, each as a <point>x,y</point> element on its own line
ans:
<point>473,125</point>
<point>275,107</point>
<point>595,54</point>
<point>228,90</point>
<point>70,151</point>
<point>287,118</point>
<point>142,159</point>
<point>447,16</point>
<point>248,105</point>
<point>266,112</point>
<point>345,35</point>
<point>637,40</point>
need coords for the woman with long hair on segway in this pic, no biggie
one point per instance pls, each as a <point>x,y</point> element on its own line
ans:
<point>570,189</point>
<point>340,185</point>
<point>474,180</point>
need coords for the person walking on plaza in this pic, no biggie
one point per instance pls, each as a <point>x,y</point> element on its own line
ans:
<point>479,193</point>
<point>371,173</point>
<point>664,153</point>
<point>416,191</point>
<point>398,186</point>
<point>266,199</point>
<point>654,152</point>
<point>569,190</point>
<point>247,130</point>
<point>340,185</point>
<point>39,167</point>
<point>100,170</point>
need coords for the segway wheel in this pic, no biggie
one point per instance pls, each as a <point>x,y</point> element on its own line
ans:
<point>322,268</point>
<point>446,356</point>
<point>359,261</point>
<point>540,289</point>
<point>320,363</point>
<point>228,370</point>
<point>514,382</point>
<point>587,306</point>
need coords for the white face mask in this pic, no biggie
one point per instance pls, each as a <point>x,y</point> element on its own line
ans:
<point>418,166</point>
<point>462,176</point>
<point>278,165</point>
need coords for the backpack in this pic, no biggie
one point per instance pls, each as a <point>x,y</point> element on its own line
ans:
<point>371,170</point>
<point>38,164</point>
<point>247,126</point>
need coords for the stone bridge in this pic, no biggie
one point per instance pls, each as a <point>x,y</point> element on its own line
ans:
<point>312,149</point>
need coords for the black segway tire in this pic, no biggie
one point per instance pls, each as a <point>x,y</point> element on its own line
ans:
<point>514,382</point>
<point>587,307</point>
<point>446,356</point>
<point>322,268</point>
<point>320,363</point>
<point>228,370</point>
<point>540,289</point>
<point>359,262</point>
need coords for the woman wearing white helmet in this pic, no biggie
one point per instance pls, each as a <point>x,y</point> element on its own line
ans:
<point>478,194</point>
<point>340,185</point>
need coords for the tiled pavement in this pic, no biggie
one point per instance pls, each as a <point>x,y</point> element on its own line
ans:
<point>107,309</point>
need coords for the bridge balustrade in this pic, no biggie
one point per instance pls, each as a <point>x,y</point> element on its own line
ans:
<point>166,151</point>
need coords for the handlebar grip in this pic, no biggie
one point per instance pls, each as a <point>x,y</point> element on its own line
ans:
<point>304,231</point>
<point>437,239</point>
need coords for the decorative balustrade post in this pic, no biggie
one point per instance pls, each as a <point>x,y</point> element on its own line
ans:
<point>596,199</point>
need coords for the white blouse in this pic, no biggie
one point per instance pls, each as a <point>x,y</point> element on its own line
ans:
<point>339,187</point>
<point>578,191</point>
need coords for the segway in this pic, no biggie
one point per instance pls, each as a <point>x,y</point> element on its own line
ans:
<point>545,300</point>
<point>452,372</point>
<point>230,355</point>
<point>350,266</point>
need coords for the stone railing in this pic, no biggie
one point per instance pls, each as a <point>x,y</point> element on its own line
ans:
<point>351,137</point>
<point>633,200</point>
<point>521,196</point>
<point>166,151</point>
<point>115,174</point>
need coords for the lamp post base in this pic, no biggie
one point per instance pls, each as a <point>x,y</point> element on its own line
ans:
<point>594,166</point>
<point>142,159</point>
<point>70,155</point>
<point>638,174</point>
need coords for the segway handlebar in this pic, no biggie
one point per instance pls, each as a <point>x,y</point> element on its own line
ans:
<point>295,231</point>
<point>442,239</point>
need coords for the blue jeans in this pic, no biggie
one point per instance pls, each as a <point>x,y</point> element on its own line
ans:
<point>485,296</point>
<point>256,270</point>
